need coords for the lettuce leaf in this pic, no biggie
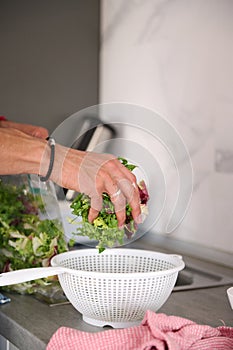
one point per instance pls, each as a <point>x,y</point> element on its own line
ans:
<point>104,228</point>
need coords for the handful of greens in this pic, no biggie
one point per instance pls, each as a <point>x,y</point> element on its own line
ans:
<point>26,240</point>
<point>104,228</point>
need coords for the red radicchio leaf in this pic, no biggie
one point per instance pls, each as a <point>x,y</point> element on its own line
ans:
<point>129,233</point>
<point>144,196</point>
<point>6,267</point>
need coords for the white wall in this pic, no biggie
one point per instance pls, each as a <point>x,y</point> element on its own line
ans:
<point>175,57</point>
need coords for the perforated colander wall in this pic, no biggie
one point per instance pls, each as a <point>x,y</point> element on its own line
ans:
<point>122,285</point>
<point>117,263</point>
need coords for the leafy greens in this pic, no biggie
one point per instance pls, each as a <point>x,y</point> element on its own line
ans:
<point>26,240</point>
<point>104,228</point>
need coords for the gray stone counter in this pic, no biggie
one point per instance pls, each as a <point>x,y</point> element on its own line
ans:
<point>29,323</point>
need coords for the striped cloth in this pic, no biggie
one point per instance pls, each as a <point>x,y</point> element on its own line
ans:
<point>156,332</point>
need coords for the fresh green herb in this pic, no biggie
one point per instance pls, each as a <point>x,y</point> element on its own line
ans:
<point>104,228</point>
<point>125,162</point>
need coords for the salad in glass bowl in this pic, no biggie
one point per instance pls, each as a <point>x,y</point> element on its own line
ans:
<point>28,237</point>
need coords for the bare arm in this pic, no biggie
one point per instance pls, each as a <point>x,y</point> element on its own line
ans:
<point>20,152</point>
<point>86,172</point>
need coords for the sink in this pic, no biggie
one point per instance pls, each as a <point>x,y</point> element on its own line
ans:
<point>193,277</point>
<point>197,273</point>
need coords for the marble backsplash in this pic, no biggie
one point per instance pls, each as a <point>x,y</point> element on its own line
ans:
<point>175,57</point>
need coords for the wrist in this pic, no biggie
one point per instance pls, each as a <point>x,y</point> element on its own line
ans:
<point>51,143</point>
<point>66,167</point>
<point>37,159</point>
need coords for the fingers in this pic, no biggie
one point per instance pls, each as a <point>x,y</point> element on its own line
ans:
<point>104,173</point>
<point>131,194</point>
<point>96,206</point>
<point>119,202</point>
<point>40,132</point>
<point>36,131</point>
<point>122,189</point>
<point>127,183</point>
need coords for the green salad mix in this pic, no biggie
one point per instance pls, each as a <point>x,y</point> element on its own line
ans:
<point>25,240</point>
<point>104,228</point>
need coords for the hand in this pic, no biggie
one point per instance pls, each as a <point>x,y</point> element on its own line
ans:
<point>36,131</point>
<point>93,173</point>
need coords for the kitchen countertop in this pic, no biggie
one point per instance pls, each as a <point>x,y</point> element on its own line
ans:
<point>29,323</point>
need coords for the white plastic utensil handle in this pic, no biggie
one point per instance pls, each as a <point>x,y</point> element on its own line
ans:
<point>24,275</point>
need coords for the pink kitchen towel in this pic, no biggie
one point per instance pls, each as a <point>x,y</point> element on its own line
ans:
<point>156,332</point>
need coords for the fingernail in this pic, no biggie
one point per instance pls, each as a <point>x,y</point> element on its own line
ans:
<point>140,219</point>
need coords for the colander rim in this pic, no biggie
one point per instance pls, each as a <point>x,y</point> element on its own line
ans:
<point>125,275</point>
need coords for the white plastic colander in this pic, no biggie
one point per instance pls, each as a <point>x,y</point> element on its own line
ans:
<point>118,286</point>
<point>114,288</point>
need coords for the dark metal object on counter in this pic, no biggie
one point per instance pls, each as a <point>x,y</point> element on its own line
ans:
<point>92,133</point>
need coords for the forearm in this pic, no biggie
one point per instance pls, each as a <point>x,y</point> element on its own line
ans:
<point>21,153</point>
